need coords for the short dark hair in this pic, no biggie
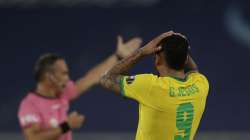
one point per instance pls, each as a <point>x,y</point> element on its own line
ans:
<point>175,49</point>
<point>44,64</point>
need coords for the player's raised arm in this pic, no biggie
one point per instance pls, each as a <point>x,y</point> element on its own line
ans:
<point>93,76</point>
<point>111,80</point>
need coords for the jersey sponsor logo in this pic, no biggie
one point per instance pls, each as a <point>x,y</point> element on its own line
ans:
<point>29,118</point>
<point>130,80</point>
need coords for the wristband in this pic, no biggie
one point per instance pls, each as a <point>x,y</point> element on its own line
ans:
<point>65,127</point>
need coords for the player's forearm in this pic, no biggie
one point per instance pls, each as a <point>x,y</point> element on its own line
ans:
<point>191,65</point>
<point>111,79</point>
<point>93,76</point>
<point>126,64</point>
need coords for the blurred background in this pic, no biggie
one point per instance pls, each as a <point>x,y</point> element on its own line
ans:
<point>85,33</point>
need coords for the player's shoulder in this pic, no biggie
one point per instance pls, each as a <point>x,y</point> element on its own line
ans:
<point>147,76</point>
<point>196,74</point>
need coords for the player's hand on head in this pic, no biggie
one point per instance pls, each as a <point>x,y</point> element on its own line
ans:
<point>125,49</point>
<point>183,36</point>
<point>180,34</point>
<point>153,46</point>
<point>75,120</point>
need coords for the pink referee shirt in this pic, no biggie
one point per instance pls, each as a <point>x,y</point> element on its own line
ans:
<point>48,112</point>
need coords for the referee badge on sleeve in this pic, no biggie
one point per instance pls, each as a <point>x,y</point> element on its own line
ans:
<point>130,80</point>
<point>29,118</point>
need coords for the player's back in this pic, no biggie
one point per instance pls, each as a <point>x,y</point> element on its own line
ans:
<point>172,108</point>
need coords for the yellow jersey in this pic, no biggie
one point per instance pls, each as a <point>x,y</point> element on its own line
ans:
<point>169,108</point>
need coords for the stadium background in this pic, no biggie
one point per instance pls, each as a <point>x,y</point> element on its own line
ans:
<point>85,31</point>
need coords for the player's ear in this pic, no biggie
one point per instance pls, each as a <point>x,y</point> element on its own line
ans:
<point>51,78</point>
<point>158,59</point>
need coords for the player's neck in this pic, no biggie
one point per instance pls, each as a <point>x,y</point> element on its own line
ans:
<point>172,73</point>
<point>45,90</point>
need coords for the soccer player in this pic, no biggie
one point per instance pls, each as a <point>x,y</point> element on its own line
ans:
<point>43,113</point>
<point>171,104</point>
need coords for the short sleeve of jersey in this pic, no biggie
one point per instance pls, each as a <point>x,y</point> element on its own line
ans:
<point>137,87</point>
<point>204,84</point>
<point>70,91</point>
<point>28,115</point>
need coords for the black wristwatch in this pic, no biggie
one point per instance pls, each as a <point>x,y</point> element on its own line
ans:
<point>65,127</point>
